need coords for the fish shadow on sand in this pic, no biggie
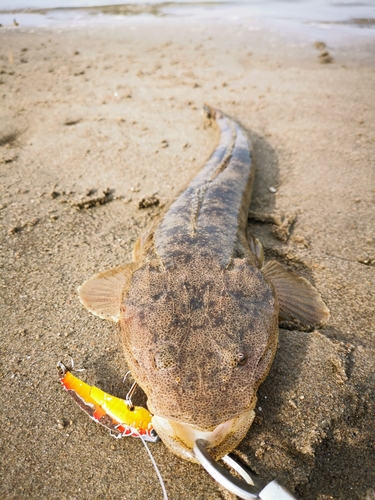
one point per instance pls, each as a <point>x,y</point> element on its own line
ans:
<point>115,380</point>
<point>346,455</point>
<point>304,391</point>
<point>266,174</point>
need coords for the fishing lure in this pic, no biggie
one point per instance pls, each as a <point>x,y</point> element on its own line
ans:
<point>116,414</point>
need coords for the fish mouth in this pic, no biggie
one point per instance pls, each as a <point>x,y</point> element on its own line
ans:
<point>180,437</point>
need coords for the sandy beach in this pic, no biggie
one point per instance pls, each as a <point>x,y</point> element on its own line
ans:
<point>93,120</point>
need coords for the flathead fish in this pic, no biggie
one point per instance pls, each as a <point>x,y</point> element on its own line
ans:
<point>199,309</point>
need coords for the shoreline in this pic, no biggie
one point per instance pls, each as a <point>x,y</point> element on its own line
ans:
<point>306,20</point>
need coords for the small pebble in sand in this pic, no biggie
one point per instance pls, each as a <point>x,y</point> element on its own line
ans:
<point>325,58</point>
<point>148,201</point>
<point>17,229</point>
<point>272,189</point>
<point>72,121</point>
<point>320,45</point>
<point>364,258</point>
<point>300,240</point>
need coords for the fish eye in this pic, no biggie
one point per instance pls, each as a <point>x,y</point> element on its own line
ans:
<point>241,358</point>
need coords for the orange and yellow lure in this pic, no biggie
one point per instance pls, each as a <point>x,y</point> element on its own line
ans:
<point>113,413</point>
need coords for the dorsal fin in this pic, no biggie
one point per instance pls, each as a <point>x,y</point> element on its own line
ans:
<point>102,293</point>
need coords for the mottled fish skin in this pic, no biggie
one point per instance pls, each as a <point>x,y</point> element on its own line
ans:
<point>210,216</point>
<point>198,310</point>
<point>200,321</point>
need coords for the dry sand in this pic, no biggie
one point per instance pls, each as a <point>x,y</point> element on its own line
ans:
<point>86,110</point>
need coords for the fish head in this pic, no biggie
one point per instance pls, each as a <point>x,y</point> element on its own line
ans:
<point>199,340</point>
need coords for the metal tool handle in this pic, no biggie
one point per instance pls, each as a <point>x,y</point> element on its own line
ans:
<point>272,491</point>
<point>221,475</point>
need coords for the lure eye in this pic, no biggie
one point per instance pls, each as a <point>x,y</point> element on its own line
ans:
<point>241,358</point>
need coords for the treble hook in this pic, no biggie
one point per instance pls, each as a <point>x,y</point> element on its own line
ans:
<point>128,397</point>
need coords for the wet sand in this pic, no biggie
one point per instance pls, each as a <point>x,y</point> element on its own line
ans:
<point>86,111</point>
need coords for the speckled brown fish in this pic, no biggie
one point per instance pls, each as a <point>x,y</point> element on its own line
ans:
<point>198,308</point>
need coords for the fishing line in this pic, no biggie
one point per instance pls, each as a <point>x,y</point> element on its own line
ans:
<point>156,469</point>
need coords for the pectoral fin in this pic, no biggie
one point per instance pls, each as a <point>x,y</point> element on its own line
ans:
<point>102,293</point>
<point>298,299</point>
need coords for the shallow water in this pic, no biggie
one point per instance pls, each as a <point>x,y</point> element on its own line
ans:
<point>342,17</point>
